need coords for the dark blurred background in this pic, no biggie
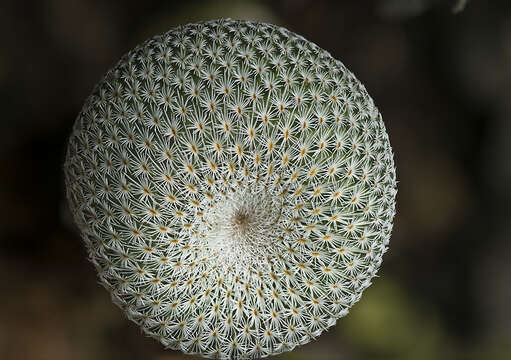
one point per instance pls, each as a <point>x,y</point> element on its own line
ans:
<point>443,83</point>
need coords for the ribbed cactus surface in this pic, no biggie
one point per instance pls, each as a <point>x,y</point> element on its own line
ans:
<point>235,187</point>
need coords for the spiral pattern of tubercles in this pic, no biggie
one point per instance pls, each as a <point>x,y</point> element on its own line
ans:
<point>235,187</point>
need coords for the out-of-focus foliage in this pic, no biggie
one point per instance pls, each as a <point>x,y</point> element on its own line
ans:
<point>390,323</point>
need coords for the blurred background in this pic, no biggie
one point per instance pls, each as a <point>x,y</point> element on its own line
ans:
<point>443,83</point>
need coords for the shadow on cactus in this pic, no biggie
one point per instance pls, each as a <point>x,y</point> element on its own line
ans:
<point>235,188</point>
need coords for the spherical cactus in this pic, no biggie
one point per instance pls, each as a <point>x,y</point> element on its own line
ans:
<point>235,188</point>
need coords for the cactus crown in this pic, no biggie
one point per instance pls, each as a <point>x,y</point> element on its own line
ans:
<point>235,188</point>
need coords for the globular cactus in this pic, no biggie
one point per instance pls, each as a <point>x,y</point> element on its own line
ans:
<point>235,188</point>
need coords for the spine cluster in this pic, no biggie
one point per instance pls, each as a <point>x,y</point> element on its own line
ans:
<point>235,187</point>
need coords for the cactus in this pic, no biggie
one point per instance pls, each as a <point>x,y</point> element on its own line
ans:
<point>235,188</point>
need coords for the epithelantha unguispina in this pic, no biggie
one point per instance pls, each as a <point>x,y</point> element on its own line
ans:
<point>235,187</point>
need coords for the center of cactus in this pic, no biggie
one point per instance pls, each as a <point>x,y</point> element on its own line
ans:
<point>241,227</point>
<point>241,221</point>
